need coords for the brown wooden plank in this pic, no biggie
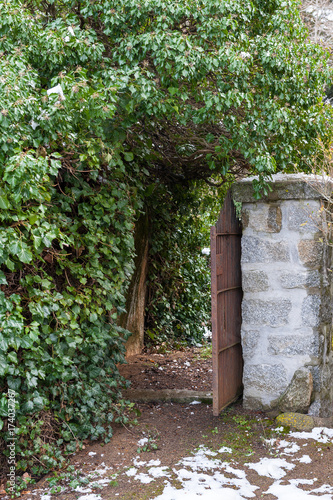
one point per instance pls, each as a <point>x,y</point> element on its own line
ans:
<point>214,316</point>
<point>226,307</point>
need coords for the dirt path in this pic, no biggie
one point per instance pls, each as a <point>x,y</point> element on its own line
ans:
<point>182,451</point>
<point>187,369</point>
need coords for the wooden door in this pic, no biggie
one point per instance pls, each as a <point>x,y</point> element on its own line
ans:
<point>226,307</point>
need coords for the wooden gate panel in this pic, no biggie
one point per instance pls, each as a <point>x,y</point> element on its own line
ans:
<point>226,307</point>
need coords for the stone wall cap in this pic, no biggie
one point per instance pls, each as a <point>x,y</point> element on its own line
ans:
<point>286,187</point>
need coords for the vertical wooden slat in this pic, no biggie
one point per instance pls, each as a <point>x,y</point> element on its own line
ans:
<point>214,316</point>
<point>226,307</point>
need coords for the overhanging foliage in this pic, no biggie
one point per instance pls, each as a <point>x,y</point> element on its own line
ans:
<point>100,102</point>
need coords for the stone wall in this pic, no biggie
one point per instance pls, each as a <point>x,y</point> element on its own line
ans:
<point>287,298</point>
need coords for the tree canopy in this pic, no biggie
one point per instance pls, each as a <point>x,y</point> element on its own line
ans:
<point>189,88</point>
<point>109,108</point>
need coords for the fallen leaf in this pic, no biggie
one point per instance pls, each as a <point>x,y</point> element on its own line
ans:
<point>26,477</point>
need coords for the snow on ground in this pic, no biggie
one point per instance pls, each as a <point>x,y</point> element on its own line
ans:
<point>319,434</point>
<point>213,475</point>
<point>272,467</point>
<point>204,477</point>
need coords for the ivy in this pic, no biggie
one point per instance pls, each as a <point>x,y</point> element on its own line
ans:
<point>108,109</point>
<point>178,297</point>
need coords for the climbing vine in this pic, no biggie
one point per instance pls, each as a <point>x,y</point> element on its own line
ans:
<point>108,109</point>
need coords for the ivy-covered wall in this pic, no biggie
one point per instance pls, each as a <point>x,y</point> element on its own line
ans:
<point>109,111</point>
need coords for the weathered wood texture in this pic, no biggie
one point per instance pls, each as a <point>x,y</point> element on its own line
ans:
<point>226,307</point>
<point>134,318</point>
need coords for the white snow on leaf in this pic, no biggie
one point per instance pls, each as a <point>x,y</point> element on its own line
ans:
<point>34,124</point>
<point>56,90</point>
<point>205,251</point>
<point>66,39</point>
<point>71,31</point>
<point>271,467</point>
<point>207,334</point>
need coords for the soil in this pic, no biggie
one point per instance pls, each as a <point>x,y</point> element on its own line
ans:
<point>187,369</point>
<point>174,431</point>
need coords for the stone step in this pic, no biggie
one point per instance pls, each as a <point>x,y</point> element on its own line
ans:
<point>168,395</point>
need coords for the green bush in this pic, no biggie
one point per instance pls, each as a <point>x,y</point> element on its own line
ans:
<point>178,305</point>
<point>108,108</point>
<point>65,264</point>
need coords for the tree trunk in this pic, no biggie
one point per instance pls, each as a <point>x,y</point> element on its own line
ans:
<point>134,318</point>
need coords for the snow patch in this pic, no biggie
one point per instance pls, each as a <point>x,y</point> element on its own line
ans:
<point>320,434</point>
<point>131,472</point>
<point>92,496</point>
<point>224,449</point>
<point>142,441</point>
<point>158,472</point>
<point>290,491</point>
<point>144,478</point>
<point>289,448</point>
<point>271,467</point>
<point>305,459</point>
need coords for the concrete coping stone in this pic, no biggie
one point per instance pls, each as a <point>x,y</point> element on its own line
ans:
<point>285,187</point>
<point>168,395</point>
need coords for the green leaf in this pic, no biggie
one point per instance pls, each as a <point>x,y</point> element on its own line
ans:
<point>3,343</point>
<point>173,90</point>
<point>10,264</point>
<point>4,203</point>
<point>3,280</point>
<point>128,156</point>
<point>33,219</point>
<point>93,317</point>
<point>25,255</point>
<point>12,356</point>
